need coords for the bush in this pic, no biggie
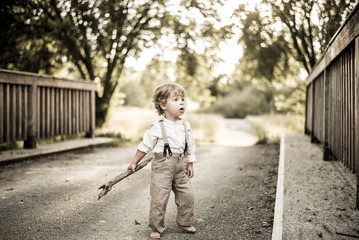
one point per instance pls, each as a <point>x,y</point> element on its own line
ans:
<point>240,103</point>
<point>206,128</point>
<point>134,94</point>
<point>270,127</point>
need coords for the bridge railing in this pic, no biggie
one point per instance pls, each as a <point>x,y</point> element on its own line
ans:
<point>35,107</point>
<point>332,110</point>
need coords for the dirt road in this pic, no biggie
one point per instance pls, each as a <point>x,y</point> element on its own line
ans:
<point>55,197</point>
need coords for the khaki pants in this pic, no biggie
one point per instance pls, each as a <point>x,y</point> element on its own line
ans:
<point>169,174</point>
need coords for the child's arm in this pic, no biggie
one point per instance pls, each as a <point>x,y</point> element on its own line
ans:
<point>138,156</point>
<point>190,171</point>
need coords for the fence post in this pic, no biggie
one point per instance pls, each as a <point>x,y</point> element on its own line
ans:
<point>312,137</point>
<point>326,151</point>
<point>30,141</point>
<point>306,131</point>
<point>91,132</point>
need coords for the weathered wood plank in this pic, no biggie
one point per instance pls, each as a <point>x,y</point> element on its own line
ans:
<point>70,106</point>
<point>43,112</point>
<point>61,112</point>
<point>52,112</point>
<point>87,112</point>
<point>19,108</point>
<point>76,110</point>
<point>32,118</point>
<point>81,117</point>
<point>25,117</point>
<point>356,103</point>
<point>342,150</point>
<point>312,133</point>
<point>2,113</point>
<point>38,112</point>
<point>326,118</point>
<point>13,113</point>
<point>91,132</point>
<point>24,78</point>
<point>47,112</point>
<point>351,109</point>
<point>57,111</point>
<point>66,112</point>
<point>7,112</point>
<point>344,85</point>
<point>347,123</point>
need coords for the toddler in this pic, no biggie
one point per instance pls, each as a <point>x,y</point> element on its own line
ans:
<point>172,143</point>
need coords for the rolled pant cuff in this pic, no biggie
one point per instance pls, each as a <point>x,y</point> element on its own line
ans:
<point>159,230</point>
<point>185,224</point>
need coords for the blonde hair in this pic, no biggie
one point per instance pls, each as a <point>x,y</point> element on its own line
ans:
<point>163,92</point>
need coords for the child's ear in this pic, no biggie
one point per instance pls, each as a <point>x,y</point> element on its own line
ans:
<point>163,106</point>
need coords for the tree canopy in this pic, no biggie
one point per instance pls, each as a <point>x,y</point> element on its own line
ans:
<point>94,39</point>
<point>278,30</point>
<point>98,36</point>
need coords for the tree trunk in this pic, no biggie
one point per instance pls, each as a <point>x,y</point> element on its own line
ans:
<point>102,105</point>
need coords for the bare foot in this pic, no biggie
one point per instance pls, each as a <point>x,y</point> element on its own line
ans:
<point>190,229</point>
<point>155,235</point>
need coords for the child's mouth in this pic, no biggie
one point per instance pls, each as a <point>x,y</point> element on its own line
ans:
<point>181,109</point>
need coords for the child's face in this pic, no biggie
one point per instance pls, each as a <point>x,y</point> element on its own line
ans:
<point>175,106</point>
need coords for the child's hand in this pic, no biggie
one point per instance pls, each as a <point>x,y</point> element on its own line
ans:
<point>132,167</point>
<point>190,171</point>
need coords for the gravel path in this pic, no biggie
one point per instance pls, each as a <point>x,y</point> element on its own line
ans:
<point>55,197</point>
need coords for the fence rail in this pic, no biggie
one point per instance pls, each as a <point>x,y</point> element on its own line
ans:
<point>35,107</point>
<point>332,110</point>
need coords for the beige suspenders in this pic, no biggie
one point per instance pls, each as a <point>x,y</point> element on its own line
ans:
<point>165,140</point>
<point>167,146</point>
<point>186,138</point>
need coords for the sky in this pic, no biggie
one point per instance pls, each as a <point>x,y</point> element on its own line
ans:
<point>227,48</point>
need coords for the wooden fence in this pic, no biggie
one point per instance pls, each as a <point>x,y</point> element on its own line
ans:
<point>35,107</point>
<point>332,110</point>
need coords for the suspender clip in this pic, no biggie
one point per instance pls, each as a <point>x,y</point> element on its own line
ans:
<point>185,148</point>
<point>167,149</point>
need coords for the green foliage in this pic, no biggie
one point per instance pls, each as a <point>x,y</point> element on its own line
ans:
<point>25,46</point>
<point>270,127</point>
<point>291,99</point>
<point>135,94</point>
<point>11,145</point>
<point>128,125</point>
<point>138,86</point>
<point>98,36</point>
<point>279,30</point>
<point>242,102</point>
<point>206,128</point>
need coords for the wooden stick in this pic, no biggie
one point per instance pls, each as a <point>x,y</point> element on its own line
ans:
<point>107,187</point>
<point>347,235</point>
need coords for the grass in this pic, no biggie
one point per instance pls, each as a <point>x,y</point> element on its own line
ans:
<point>206,128</point>
<point>270,127</point>
<point>128,124</point>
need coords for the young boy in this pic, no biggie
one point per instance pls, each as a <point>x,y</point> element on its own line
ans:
<point>173,145</point>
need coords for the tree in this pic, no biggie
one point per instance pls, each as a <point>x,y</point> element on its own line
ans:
<point>283,29</point>
<point>98,36</point>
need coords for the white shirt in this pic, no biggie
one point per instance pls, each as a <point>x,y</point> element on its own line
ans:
<point>153,140</point>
